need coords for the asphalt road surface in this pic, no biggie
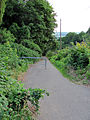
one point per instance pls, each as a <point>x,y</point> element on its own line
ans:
<point>67,101</point>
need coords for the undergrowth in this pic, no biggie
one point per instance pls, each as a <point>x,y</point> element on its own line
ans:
<point>73,63</point>
<point>13,96</point>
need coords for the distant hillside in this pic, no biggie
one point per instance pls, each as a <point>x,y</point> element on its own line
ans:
<point>63,34</point>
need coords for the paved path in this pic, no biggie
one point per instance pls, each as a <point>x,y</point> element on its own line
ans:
<point>67,101</point>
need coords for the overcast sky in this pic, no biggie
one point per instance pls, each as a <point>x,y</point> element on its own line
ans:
<point>75,14</point>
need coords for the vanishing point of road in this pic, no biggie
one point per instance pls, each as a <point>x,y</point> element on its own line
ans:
<point>67,101</point>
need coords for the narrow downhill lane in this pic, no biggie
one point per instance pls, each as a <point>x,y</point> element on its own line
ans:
<point>67,101</point>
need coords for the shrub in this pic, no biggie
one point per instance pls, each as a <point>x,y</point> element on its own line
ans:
<point>22,51</point>
<point>62,53</point>
<point>13,99</point>
<point>8,56</point>
<point>6,36</point>
<point>74,62</point>
<point>50,54</point>
<point>13,96</point>
<point>31,45</point>
<point>78,56</point>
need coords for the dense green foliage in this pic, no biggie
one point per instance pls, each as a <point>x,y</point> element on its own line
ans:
<point>6,36</point>
<point>31,20</point>
<point>74,62</point>
<point>2,9</point>
<point>31,45</point>
<point>13,96</point>
<point>50,54</point>
<point>72,37</point>
<point>26,30</point>
<point>79,57</point>
<point>25,52</point>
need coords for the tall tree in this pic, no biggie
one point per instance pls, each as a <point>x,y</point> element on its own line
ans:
<point>37,15</point>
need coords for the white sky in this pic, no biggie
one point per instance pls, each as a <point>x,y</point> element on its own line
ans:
<point>75,14</point>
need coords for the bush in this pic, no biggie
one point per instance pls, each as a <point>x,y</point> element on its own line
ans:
<point>31,45</point>
<point>50,54</point>
<point>13,99</point>
<point>74,62</point>
<point>13,96</point>
<point>6,36</point>
<point>8,56</point>
<point>22,51</point>
<point>79,57</point>
<point>62,53</point>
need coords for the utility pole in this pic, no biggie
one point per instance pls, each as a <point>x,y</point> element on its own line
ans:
<point>60,36</point>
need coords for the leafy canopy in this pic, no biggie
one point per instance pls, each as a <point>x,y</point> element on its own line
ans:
<point>33,20</point>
